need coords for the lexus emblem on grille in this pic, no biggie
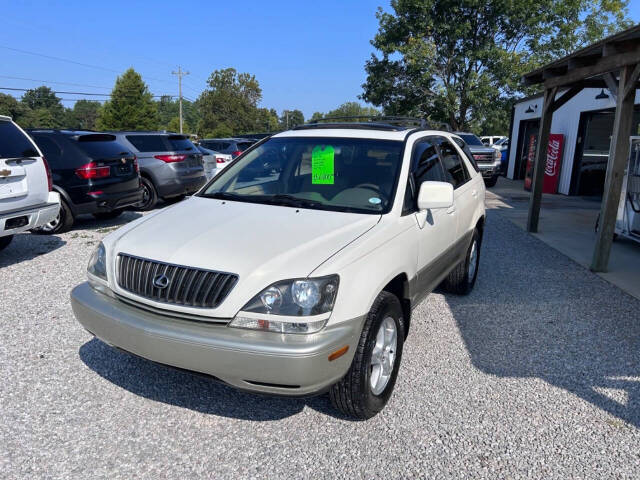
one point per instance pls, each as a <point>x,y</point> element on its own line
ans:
<point>161,281</point>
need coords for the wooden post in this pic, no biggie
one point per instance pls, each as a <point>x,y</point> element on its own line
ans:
<point>618,157</point>
<point>540,160</point>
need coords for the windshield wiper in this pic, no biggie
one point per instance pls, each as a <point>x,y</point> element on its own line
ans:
<point>291,201</point>
<point>224,196</point>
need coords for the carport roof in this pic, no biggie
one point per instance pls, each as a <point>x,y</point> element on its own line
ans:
<point>589,65</point>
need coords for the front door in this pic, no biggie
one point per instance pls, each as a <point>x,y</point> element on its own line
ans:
<point>436,228</point>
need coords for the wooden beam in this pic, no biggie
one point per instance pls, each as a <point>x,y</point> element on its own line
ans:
<point>540,160</point>
<point>604,65</point>
<point>618,157</point>
<point>612,84</point>
<point>633,82</point>
<point>566,96</point>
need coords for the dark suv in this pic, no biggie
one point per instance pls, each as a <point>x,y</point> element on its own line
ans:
<point>170,165</point>
<point>488,159</point>
<point>231,146</point>
<point>93,172</point>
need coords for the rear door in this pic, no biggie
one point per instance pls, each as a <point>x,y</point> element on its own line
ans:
<point>465,191</point>
<point>23,175</point>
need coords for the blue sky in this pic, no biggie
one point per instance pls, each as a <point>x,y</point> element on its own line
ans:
<point>305,54</point>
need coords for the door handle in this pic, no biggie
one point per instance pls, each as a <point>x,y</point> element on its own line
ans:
<point>474,193</point>
<point>451,210</point>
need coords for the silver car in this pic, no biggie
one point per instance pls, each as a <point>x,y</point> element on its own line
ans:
<point>170,165</point>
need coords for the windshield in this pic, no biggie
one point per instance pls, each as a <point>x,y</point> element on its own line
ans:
<point>471,139</point>
<point>339,174</point>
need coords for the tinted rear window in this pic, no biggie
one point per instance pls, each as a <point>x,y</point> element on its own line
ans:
<point>14,143</point>
<point>242,146</point>
<point>160,143</point>
<point>101,146</point>
<point>471,139</point>
<point>178,142</point>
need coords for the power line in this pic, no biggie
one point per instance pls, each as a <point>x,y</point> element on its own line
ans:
<point>51,57</point>
<point>76,93</point>
<point>54,82</point>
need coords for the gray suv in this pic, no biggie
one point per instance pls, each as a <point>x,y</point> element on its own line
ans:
<point>170,165</point>
<point>230,146</point>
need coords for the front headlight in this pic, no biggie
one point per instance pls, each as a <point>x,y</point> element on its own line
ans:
<point>97,267</point>
<point>279,307</point>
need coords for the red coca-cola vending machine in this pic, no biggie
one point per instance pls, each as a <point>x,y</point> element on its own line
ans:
<point>552,165</point>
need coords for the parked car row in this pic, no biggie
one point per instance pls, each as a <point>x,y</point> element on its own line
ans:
<point>489,159</point>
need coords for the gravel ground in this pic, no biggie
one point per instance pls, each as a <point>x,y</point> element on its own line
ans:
<point>536,374</point>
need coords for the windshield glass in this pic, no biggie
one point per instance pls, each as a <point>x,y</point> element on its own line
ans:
<point>471,139</point>
<point>339,174</point>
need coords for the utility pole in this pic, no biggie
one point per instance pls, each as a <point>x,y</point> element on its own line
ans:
<point>180,74</point>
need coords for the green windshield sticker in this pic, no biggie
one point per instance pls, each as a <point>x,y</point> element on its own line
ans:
<point>322,165</point>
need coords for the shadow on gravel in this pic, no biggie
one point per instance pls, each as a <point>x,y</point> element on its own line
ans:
<point>26,246</point>
<point>535,313</point>
<point>183,389</point>
<point>89,222</point>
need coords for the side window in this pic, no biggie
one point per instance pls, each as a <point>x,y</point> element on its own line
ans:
<point>425,166</point>
<point>465,148</point>
<point>50,150</point>
<point>455,171</point>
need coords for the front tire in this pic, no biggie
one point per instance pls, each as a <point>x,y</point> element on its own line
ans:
<point>367,386</point>
<point>490,182</point>
<point>62,223</point>
<point>5,241</point>
<point>462,278</point>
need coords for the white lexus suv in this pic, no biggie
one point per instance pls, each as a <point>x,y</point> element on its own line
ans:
<point>326,237</point>
<point>26,199</point>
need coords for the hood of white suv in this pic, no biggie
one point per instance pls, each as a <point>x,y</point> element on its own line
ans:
<point>260,243</point>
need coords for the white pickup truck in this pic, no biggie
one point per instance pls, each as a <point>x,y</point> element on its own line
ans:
<point>26,199</point>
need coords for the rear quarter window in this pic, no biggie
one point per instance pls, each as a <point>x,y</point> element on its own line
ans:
<point>50,149</point>
<point>14,143</point>
<point>178,142</point>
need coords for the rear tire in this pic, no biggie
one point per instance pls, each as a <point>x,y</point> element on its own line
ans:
<point>367,386</point>
<point>108,215</point>
<point>462,278</point>
<point>5,241</point>
<point>62,223</point>
<point>149,196</point>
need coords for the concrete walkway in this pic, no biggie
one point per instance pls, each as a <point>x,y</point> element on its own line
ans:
<point>568,225</point>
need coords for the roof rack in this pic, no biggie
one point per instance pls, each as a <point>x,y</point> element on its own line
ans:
<point>379,119</point>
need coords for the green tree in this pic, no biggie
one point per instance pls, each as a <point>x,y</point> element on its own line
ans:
<point>168,109</point>
<point>457,61</point>
<point>131,106</point>
<point>42,108</point>
<point>267,120</point>
<point>291,118</point>
<point>347,109</point>
<point>230,104</point>
<point>83,115</point>
<point>174,125</point>
<point>11,107</point>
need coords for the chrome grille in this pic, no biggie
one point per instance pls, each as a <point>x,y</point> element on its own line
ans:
<point>187,286</point>
<point>483,157</point>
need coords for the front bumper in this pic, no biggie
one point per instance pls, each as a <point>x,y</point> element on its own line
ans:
<point>291,365</point>
<point>489,170</point>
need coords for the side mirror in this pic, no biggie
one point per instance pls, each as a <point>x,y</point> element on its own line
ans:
<point>434,195</point>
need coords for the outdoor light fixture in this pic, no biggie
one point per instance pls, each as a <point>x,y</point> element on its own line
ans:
<point>529,110</point>
<point>602,95</point>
